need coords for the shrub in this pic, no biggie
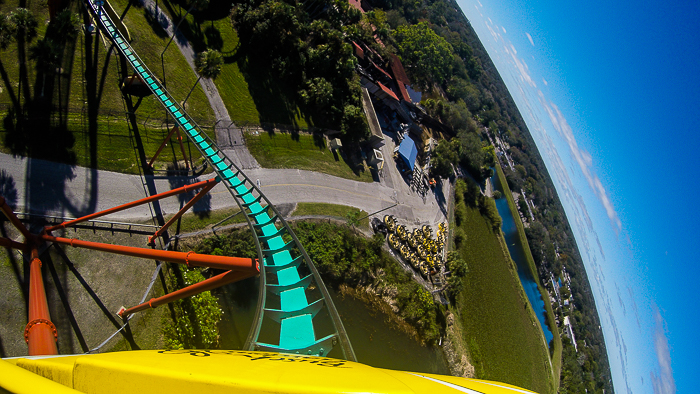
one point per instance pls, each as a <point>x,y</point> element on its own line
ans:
<point>460,236</point>
<point>488,208</point>
<point>460,213</point>
<point>195,324</point>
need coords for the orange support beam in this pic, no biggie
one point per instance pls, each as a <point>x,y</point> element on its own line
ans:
<point>191,259</point>
<point>165,142</point>
<point>205,285</point>
<point>182,148</point>
<point>7,210</point>
<point>205,190</point>
<point>40,333</point>
<point>136,203</point>
<point>8,243</point>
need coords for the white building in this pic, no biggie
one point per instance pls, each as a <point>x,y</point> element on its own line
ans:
<point>568,331</point>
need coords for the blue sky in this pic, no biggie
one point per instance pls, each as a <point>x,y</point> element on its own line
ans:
<point>610,92</point>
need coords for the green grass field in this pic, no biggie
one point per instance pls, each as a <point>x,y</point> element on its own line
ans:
<point>305,152</point>
<point>117,148</point>
<point>204,220</point>
<point>499,326</point>
<point>114,148</point>
<point>252,94</point>
<point>341,211</point>
<point>557,346</point>
<point>148,43</point>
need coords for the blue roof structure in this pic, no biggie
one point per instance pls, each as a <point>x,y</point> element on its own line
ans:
<point>408,152</point>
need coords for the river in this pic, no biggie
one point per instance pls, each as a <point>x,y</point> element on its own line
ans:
<point>375,340</point>
<point>517,253</point>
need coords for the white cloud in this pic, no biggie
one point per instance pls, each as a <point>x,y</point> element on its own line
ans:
<point>584,160</point>
<point>545,82</point>
<point>494,33</point>
<point>520,65</point>
<point>529,37</point>
<point>663,383</point>
<point>504,30</point>
<point>480,5</point>
<point>634,306</point>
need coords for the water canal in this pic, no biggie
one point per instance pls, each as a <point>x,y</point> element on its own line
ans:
<point>375,340</point>
<point>517,253</point>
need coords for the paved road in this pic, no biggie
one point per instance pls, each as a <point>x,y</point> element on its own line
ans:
<point>48,188</point>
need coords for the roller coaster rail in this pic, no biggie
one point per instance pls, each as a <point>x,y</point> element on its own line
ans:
<point>235,181</point>
<point>53,219</point>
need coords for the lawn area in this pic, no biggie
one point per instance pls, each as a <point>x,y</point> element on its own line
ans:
<point>320,208</point>
<point>500,328</point>
<point>195,221</point>
<point>149,41</point>
<point>66,135</point>
<point>557,346</point>
<point>305,152</point>
<point>116,148</point>
<point>252,94</point>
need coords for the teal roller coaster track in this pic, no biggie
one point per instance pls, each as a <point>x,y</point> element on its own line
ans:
<point>288,276</point>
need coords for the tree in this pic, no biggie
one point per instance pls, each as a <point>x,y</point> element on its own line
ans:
<point>429,54</point>
<point>7,35</point>
<point>471,155</point>
<point>25,30</point>
<point>65,25</point>
<point>458,88</point>
<point>354,123</point>
<point>456,265</point>
<point>46,54</point>
<point>377,17</point>
<point>25,23</point>
<point>489,156</point>
<point>271,29</point>
<point>7,31</point>
<point>395,19</point>
<point>445,155</point>
<point>208,65</point>
<point>353,217</point>
<point>193,4</point>
<point>488,208</point>
<point>318,93</point>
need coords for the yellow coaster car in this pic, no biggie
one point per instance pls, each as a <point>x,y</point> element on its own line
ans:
<point>221,371</point>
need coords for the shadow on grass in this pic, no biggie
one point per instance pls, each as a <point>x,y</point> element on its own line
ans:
<point>193,30</point>
<point>158,22</point>
<point>35,125</point>
<point>213,37</point>
<point>319,140</point>
<point>126,333</point>
<point>59,320</point>
<point>202,208</point>
<point>350,157</point>
<point>274,97</point>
